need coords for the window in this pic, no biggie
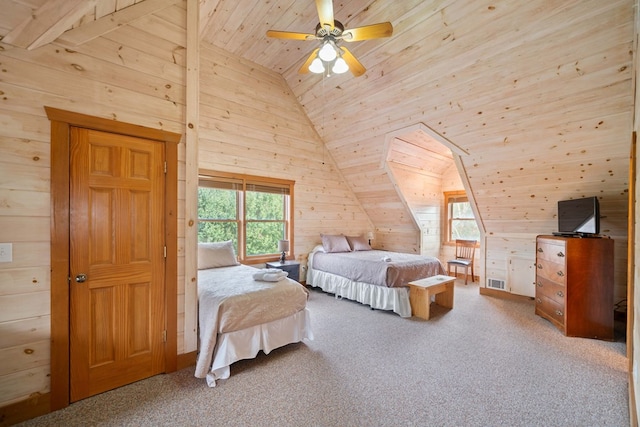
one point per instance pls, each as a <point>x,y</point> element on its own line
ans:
<point>460,221</point>
<point>253,212</point>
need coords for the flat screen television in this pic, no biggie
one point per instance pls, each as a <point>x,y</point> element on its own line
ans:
<point>579,217</point>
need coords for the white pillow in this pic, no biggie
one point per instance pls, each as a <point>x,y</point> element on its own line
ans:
<point>358,243</point>
<point>218,254</point>
<point>335,243</point>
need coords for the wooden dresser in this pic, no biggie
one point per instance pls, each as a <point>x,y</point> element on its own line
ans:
<point>574,285</point>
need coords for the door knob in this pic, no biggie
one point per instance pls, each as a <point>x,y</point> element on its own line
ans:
<point>80,278</point>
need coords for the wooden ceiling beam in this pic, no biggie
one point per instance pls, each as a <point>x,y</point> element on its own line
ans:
<point>112,21</point>
<point>48,22</point>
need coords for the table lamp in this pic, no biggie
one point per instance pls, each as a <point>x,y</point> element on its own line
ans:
<point>370,236</point>
<point>283,247</point>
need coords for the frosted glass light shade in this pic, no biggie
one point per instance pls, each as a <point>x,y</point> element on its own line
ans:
<point>340,66</point>
<point>327,52</point>
<point>316,66</point>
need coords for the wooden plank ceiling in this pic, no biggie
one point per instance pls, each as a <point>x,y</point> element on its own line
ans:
<point>538,93</point>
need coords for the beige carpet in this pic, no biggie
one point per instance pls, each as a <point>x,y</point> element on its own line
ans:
<point>487,362</point>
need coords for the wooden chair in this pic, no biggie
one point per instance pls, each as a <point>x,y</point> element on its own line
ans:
<point>465,251</point>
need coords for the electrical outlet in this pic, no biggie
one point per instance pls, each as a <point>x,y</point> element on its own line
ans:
<point>6,252</point>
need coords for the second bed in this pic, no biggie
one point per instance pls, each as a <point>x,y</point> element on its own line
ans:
<point>373,277</point>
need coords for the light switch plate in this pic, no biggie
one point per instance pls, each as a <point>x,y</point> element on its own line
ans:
<point>6,252</point>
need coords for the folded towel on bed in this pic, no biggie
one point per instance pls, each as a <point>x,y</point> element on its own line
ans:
<point>274,277</point>
<point>270,274</point>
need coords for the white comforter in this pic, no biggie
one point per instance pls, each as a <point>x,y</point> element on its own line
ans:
<point>230,300</point>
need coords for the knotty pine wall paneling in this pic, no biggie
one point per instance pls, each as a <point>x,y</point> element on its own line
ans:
<point>134,74</point>
<point>421,191</point>
<point>252,124</point>
<point>539,96</point>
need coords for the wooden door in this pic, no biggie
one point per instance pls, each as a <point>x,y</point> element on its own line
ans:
<point>117,260</point>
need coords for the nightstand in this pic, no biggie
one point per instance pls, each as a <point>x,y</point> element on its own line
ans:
<point>291,267</point>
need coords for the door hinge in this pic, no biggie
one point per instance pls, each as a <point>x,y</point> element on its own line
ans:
<point>164,336</point>
<point>165,251</point>
<point>165,167</point>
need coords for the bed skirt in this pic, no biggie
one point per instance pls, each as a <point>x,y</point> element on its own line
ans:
<point>246,343</point>
<point>378,297</point>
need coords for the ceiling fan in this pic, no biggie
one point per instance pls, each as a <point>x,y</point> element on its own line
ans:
<point>330,57</point>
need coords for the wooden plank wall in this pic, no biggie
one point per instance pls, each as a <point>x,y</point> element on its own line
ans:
<point>251,123</point>
<point>538,94</point>
<point>136,75</point>
<point>421,192</point>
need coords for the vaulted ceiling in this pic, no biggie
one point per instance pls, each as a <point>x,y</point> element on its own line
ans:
<point>536,96</point>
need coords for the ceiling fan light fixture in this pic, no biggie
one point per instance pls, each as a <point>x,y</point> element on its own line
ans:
<point>330,58</point>
<point>340,66</point>
<point>328,51</point>
<point>316,66</point>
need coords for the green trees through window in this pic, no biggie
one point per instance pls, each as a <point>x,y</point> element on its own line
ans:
<point>254,214</point>
<point>217,215</point>
<point>461,222</point>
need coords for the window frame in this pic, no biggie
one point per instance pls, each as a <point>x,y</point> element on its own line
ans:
<point>244,183</point>
<point>457,196</point>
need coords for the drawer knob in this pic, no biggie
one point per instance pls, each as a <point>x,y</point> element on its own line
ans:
<point>560,273</point>
<point>560,255</point>
<point>558,313</point>
<point>560,293</point>
<point>540,266</point>
<point>540,250</point>
<point>539,284</point>
<point>538,300</point>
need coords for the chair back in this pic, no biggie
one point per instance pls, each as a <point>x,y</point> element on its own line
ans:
<point>465,249</point>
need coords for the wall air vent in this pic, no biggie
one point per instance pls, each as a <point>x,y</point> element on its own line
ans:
<point>496,284</point>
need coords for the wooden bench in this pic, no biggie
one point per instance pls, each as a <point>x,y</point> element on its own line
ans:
<point>420,292</point>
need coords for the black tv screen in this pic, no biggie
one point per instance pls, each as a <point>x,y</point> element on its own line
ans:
<point>579,216</point>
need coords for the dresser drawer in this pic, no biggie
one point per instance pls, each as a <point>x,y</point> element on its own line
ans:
<point>551,250</point>
<point>550,308</point>
<point>551,270</point>
<point>551,290</point>
<point>575,284</point>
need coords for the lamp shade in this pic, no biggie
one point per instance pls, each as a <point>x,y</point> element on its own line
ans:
<point>328,52</point>
<point>283,246</point>
<point>316,66</point>
<point>340,66</point>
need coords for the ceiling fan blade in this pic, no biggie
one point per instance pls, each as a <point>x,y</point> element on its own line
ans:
<point>375,31</point>
<point>325,13</point>
<point>305,67</point>
<point>356,68</point>
<point>290,35</point>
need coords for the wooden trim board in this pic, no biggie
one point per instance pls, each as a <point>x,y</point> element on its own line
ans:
<point>61,121</point>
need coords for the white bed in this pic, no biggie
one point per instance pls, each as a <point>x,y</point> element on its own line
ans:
<point>239,316</point>
<point>372,277</point>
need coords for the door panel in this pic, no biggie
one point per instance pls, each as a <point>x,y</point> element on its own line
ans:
<point>116,228</point>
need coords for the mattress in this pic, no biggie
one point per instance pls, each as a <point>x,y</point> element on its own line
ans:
<point>231,300</point>
<point>245,302</point>
<point>381,268</point>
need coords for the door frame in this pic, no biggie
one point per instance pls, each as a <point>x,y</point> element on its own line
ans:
<point>61,122</point>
